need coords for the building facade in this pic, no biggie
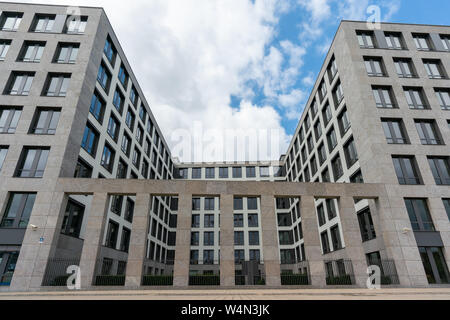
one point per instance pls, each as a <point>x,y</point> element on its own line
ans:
<point>87,178</point>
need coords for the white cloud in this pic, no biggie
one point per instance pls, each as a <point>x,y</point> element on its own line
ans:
<point>189,57</point>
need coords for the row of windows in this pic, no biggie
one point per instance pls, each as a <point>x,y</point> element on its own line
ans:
<point>236,172</point>
<point>45,120</point>
<point>415,97</point>
<point>19,84</point>
<point>405,68</point>
<point>32,161</point>
<point>395,41</point>
<point>32,51</point>
<point>396,133</point>
<point>408,172</point>
<point>43,23</point>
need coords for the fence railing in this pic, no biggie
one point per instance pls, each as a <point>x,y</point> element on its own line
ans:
<point>299,276</point>
<point>157,280</point>
<point>339,272</point>
<point>204,280</point>
<point>244,280</point>
<point>110,272</point>
<point>388,270</point>
<point>56,272</point>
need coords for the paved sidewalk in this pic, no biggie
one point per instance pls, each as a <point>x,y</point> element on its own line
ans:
<point>260,294</point>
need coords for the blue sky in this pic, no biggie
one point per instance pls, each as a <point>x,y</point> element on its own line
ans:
<point>211,67</point>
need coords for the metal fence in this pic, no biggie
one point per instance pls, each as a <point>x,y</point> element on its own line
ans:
<point>339,272</point>
<point>298,277</point>
<point>245,280</point>
<point>157,280</point>
<point>56,274</point>
<point>110,272</point>
<point>204,280</point>
<point>388,270</point>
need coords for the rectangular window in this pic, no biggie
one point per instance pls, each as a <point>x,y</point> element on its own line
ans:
<point>125,240</point>
<point>357,177</point>
<point>10,21</point>
<point>422,42</point>
<point>443,96</point>
<point>252,220</point>
<point>284,219</point>
<point>326,114</point>
<point>239,238</point>
<point>108,155</point>
<point>321,215</point>
<point>195,220</point>
<point>253,238</point>
<point>43,23</point>
<point>406,170</point>
<point>318,130</point>
<point>394,40</point>
<point>31,51</point>
<point>394,131</point>
<point>331,208</point>
<point>126,144</point>
<point>4,47</point>
<point>238,203</point>
<point>129,119</point>
<point>195,238</point>
<point>351,156</point>
<point>208,238</point>
<point>434,264</point>
<point>73,219</point>
<point>252,203</point>
<point>9,119</point>
<point>365,39</point>
<point>285,237</point>
<point>116,204</point>
<point>332,139</point>
<point>344,122</point>
<point>405,68</point>
<point>415,98</point>
<point>336,164</point>
<point>326,175</point>
<point>113,127</point>
<point>196,173</point>
<point>322,90</point>
<point>322,154</point>
<point>45,121</point>
<point>445,41</point>
<point>123,76</point>
<point>18,210</point>
<point>338,94</point>
<point>447,207</point>
<point>374,67</point>
<point>142,113</point>
<point>209,204</point>
<point>332,71</point>
<point>384,97</point>
<point>82,170</point>
<point>32,163</point>
<point>440,167</point>
<point>336,237</point>
<point>67,53</point>
<point>122,170</point>
<point>57,85</point>
<point>313,164</point>
<point>250,172</point>
<point>208,221</point>
<point>263,172</point>
<point>104,77</point>
<point>90,140</point>
<point>140,135</point>
<point>136,160</point>
<point>210,173</point>
<point>133,96</point>
<point>238,220</point>
<point>20,83</point>
<point>366,225</point>
<point>76,25</point>
<point>325,242</point>
<point>195,204</point>
<point>98,106</point>
<point>3,153</point>
<point>419,215</point>
<point>428,132</point>
<point>111,235</point>
<point>237,172</point>
<point>223,173</point>
<point>110,51</point>
<point>435,69</point>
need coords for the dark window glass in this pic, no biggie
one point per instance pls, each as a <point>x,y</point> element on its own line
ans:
<point>9,119</point>
<point>440,167</point>
<point>366,225</point>
<point>406,170</point>
<point>32,163</point>
<point>18,210</point>
<point>419,215</point>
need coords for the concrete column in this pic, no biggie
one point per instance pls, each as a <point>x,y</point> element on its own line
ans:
<point>401,245</point>
<point>95,229</point>
<point>39,244</point>
<point>227,267</point>
<point>270,241</point>
<point>139,231</point>
<point>352,239</point>
<point>183,242</point>
<point>311,239</point>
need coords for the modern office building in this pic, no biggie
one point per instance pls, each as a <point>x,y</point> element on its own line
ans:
<point>87,178</point>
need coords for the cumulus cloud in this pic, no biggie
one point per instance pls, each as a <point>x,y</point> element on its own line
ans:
<point>190,58</point>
